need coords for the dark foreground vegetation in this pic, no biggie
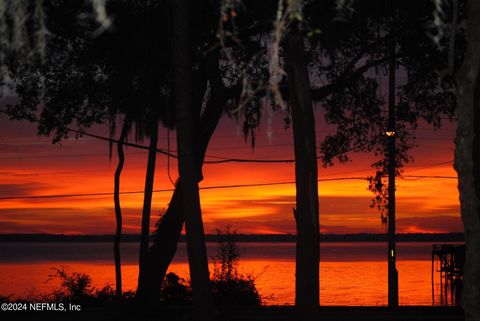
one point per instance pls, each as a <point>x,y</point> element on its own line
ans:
<point>77,298</point>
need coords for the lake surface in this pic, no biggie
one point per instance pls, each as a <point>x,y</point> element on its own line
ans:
<point>350,273</point>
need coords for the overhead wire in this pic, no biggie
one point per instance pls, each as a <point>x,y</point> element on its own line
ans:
<point>222,159</point>
<point>205,187</point>
<point>219,159</point>
<point>171,190</point>
<point>431,176</point>
<point>429,166</point>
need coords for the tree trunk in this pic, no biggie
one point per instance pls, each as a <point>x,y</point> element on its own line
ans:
<point>118,212</point>
<point>467,160</point>
<point>170,225</point>
<point>189,171</point>
<point>306,213</point>
<point>147,205</point>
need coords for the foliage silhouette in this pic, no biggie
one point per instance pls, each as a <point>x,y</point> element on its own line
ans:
<point>175,290</point>
<point>231,288</point>
<point>85,80</point>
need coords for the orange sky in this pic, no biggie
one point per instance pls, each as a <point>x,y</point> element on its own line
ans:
<point>31,165</point>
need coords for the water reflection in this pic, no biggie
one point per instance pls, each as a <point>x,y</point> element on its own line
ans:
<point>350,273</point>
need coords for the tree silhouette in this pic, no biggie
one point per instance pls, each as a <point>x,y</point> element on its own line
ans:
<point>127,71</point>
<point>169,227</point>
<point>307,295</point>
<point>85,80</point>
<point>467,160</point>
<point>118,210</point>
<point>208,105</point>
<point>187,165</point>
<point>344,56</point>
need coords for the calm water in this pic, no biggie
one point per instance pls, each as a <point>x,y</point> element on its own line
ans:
<point>350,273</point>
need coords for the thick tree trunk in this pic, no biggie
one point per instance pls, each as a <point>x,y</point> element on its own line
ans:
<point>147,205</point>
<point>118,212</point>
<point>467,161</point>
<point>189,171</point>
<point>164,245</point>
<point>170,226</point>
<point>306,213</point>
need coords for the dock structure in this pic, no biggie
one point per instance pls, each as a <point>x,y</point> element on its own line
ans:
<point>451,259</point>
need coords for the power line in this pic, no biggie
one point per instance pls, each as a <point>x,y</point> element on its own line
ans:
<point>208,187</point>
<point>172,151</point>
<point>431,176</point>
<point>446,139</point>
<point>81,171</point>
<point>171,190</point>
<point>430,166</point>
<point>61,156</point>
<point>128,168</point>
<point>27,143</point>
<point>220,160</point>
<point>291,160</point>
<point>108,139</point>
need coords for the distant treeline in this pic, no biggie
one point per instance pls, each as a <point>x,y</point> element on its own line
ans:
<point>362,237</point>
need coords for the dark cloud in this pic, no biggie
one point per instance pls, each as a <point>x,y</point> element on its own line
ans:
<point>56,220</point>
<point>8,227</point>
<point>19,174</point>
<point>438,223</point>
<point>16,190</point>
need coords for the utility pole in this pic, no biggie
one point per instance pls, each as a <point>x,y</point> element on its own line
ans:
<point>391,138</point>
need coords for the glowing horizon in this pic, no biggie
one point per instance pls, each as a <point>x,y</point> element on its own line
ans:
<point>31,165</point>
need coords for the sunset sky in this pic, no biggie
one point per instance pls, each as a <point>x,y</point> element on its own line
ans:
<point>32,165</point>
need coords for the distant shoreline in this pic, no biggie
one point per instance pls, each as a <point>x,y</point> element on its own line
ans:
<point>271,238</point>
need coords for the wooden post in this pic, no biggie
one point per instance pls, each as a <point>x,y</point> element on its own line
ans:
<point>391,138</point>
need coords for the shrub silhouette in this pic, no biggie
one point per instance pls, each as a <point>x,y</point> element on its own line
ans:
<point>230,288</point>
<point>77,287</point>
<point>175,290</point>
<point>74,286</point>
